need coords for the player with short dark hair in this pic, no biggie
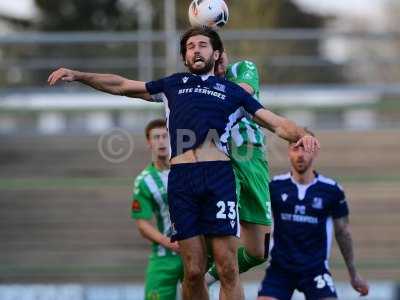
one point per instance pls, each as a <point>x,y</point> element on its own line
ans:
<point>149,200</point>
<point>307,207</point>
<point>200,110</point>
<point>156,123</point>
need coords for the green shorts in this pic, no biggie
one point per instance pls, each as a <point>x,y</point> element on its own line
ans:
<point>252,176</point>
<point>162,276</point>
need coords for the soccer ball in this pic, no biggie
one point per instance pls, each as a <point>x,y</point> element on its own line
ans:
<point>208,13</point>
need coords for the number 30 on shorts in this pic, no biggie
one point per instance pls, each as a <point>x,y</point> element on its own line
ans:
<point>324,280</point>
<point>221,214</point>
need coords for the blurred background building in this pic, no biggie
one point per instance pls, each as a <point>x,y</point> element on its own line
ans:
<point>68,154</point>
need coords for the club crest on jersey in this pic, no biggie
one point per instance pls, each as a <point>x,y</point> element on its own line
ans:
<point>317,203</point>
<point>185,79</point>
<point>220,87</point>
<point>284,197</point>
<point>136,206</point>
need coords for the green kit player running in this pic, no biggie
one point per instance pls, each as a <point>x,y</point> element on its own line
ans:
<point>165,268</point>
<point>247,153</point>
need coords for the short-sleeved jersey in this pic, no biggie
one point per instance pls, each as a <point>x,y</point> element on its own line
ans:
<point>200,108</point>
<point>303,221</point>
<point>246,131</point>
<point>150,199</point>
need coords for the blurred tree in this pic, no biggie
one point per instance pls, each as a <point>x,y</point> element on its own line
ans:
<point>280,61</point>
<point>78,15</point>
<point>393,52</point>
<point>373,60</point>
<point>256,14</point>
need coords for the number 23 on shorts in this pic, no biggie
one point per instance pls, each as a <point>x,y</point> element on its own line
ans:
<point>222,211</point>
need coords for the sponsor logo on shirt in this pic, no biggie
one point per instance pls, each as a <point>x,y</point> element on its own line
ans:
<point>205,91</point>
<point>185,79</point>
<point>299,218</point>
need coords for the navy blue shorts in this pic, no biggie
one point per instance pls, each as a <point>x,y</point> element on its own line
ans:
<point>280,284</point>
<point>202,200</point>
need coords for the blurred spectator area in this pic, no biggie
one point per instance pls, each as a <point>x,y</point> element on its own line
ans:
<point>65,209</point>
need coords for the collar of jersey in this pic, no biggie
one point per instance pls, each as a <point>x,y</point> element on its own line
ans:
<point>203,77</point>
<point>306,185</point>
<point>153,166</point>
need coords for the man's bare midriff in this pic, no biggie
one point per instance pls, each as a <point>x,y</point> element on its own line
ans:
<point>206,152</point>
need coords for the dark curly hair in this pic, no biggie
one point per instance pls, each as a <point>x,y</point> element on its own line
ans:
<point>214,37</point>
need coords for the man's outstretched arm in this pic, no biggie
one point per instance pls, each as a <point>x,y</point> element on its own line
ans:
<point>286,129</point>
<point>108,83</point>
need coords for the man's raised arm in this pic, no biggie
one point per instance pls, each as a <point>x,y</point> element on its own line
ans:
<point>109,83</point>
<point>286,129</point>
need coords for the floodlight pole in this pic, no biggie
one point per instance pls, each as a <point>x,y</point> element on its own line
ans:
<point>170,36</point>
<point>144,12</point>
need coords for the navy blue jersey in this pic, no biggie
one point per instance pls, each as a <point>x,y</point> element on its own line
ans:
<point>200,107</point>
<point>303,221</point>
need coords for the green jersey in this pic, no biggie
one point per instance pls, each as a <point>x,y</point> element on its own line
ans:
<point>150,199</point>
<point>246,131</point>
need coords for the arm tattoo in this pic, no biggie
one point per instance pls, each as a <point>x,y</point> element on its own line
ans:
<point>345,242</point>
